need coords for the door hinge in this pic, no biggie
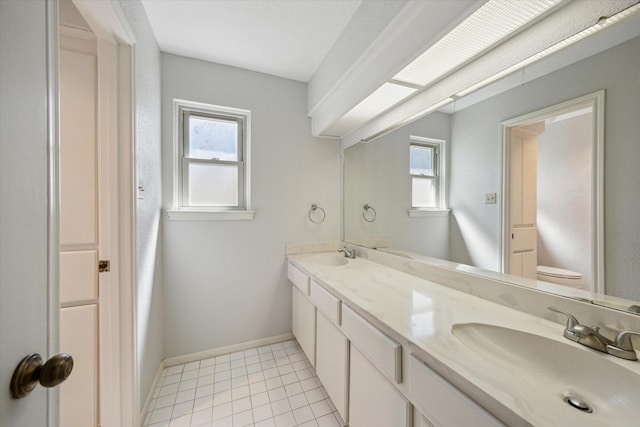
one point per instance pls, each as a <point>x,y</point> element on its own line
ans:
<point>104,265</point>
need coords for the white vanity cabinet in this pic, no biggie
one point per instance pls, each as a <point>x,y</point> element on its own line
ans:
<point>373,401</point>
<point>303,312</point>
<point>362,369</point>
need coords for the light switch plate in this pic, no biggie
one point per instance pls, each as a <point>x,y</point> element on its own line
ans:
<point>490,199</point>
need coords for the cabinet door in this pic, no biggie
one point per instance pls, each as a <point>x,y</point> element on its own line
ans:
<point>441,402</point>
<point>373,401</point>
<point>385,353</point>
<point>298,278</point>
<point>332,362</point>
<point>304,324</point>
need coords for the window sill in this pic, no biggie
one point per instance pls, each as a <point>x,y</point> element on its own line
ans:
<point>420,213</point>
<point>209,215</point>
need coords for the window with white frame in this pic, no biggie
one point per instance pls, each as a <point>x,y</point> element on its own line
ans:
<point>426,167</point>
<point>211,160</point>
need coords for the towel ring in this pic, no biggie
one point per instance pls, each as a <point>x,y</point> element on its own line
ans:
<point>366,208</point>
<point>314,208</point>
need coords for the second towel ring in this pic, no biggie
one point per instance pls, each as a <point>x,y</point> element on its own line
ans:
<point>366,208</point>
<point>314,208</point>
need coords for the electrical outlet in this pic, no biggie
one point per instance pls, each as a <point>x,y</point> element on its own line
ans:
<point>490,199</point>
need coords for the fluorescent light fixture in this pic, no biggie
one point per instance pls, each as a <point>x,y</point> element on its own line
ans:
<point>487,26</point>
<point>603,23</point>
<point>382,99</point>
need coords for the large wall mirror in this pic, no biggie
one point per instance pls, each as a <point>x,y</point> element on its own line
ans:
<point>578,195</point>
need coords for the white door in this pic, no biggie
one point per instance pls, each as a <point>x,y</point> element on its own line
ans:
<point>523,174</point>
<point>27,263</point>
<point>29,213</point>
<point>79,226</point>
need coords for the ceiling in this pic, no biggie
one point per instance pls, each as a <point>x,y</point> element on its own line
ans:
<point>285,38</point>
<point>353,53</point>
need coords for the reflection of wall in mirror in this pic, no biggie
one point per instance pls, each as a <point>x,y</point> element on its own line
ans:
<point>564,196</point>
<point>475,161</point>
<point>377,173</point>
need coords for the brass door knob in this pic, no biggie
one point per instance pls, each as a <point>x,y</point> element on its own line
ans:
<point>31,371</point>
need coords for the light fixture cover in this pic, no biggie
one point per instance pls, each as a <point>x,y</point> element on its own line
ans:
<point>554,48</point>
<point>486,27</point>
<point>382,99</point>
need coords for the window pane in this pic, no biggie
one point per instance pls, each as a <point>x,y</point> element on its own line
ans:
<point>213,185</point>
<point>211,138</point>
<point>423,192</point>
<point>421,160</point>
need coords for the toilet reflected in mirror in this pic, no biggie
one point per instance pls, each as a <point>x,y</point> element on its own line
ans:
<point>560,276</point>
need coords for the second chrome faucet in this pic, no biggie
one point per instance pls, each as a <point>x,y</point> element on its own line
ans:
<point>349,253</point>
<point>591,337</point>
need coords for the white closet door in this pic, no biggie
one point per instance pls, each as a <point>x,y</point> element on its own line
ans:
<point>79,230</point>
<point>523,160</point>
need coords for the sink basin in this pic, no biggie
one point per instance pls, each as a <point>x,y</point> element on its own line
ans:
<point>549,372</point>
<point>331,260</point>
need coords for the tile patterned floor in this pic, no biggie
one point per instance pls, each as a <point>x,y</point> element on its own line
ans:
<point>269,386</point>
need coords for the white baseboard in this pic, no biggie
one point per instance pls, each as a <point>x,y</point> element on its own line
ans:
<point>186,358</point>
<point>192,357</point>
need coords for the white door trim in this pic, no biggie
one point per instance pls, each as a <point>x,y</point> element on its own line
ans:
<point>129,384</point>
<point>596,100</point>
<point>53,282</point>
<point>119,389</point>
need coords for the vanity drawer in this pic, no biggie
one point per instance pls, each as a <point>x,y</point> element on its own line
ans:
<point>298,278</point>
<point>326,302</point>
<point>441,402</point>
<point>384,352</point>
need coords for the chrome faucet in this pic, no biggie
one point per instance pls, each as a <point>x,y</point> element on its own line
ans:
<point>591,337</point>
<point>623,347</point>
<point>585,335</point>
<point>349,253</point>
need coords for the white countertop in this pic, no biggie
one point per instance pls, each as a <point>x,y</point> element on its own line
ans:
<point>423,313</point>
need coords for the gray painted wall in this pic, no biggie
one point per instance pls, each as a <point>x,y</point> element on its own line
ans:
<point>225,281</point>
<point>564,196</point>
<point>377,173</point>
<point>476,161</point>
<point>149,295</point>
